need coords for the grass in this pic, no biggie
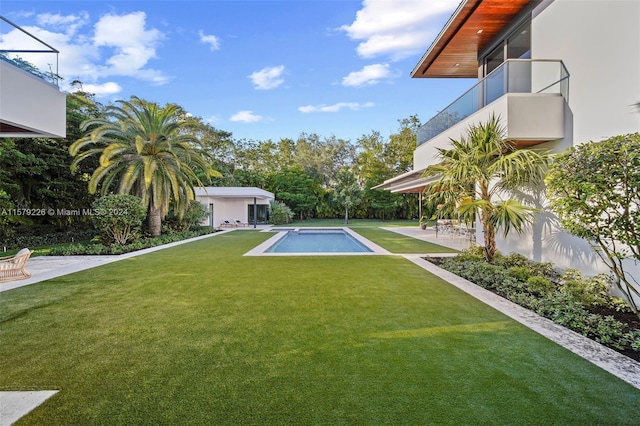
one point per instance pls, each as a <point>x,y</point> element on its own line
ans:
<point>198,334</point>
<point>397,243</point>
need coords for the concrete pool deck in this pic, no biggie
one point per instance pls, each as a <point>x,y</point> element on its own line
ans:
<point>14,405</point>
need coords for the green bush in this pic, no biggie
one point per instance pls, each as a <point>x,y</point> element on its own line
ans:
<point>529,285</point>
<point>521,273</point>
<point>539,285</point>
<point>119,217</point>
<point>139,244</point>
<point>280,213</point>
<point>193,215</point>
<point>591,291</point>
<point>47,238</point>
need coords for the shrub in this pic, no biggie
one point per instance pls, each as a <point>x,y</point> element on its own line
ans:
<point>538,285</point>
<point>530,285</point>
<point>139,244</point>
<point>119,217</point>
<point>590,291</point>
<point>513,259</point>
<point>193,215</point>
<point>280,213</point>
<point>521,273</point>
<point>44,237</point>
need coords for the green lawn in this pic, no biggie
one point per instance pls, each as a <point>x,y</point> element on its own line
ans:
<point>198,334</point>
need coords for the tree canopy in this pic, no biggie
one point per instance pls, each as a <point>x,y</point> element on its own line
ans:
<point>144,151</point>
<point>594,188</point>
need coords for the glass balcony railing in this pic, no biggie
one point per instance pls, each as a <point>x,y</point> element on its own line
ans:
<point>513,76</point>
<point>41,60</point>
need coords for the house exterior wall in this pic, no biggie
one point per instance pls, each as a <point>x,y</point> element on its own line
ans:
<point>230,209</point>
<point>598,41</point>
<point>29,102</point>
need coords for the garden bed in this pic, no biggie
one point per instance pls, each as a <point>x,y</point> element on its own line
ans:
<point>139,244</point>
<point>581,304</point>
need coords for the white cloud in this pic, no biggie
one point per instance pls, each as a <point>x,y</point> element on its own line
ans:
<point>397,29</point>
<point>211,40</point>
<point>120,45</point>
<point>246,117</point>
<point>70,23</point>
<point>267,78</point>
<point>369,75</point>
<point>77,59</point>
<point>354,106</point>
<point>133,46</point>
<point>104,89</point>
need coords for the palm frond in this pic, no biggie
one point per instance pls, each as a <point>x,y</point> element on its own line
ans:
<point>511,214</point>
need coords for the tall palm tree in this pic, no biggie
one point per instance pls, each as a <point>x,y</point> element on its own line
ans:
<point>143,152</point>
<point>477,175</point>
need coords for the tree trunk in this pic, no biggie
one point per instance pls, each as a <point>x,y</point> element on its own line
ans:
<point>155,221</point>
<point>346,215</point>
<point>489,240</point>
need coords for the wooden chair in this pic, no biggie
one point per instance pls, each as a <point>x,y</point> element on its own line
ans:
<point>13,267</point>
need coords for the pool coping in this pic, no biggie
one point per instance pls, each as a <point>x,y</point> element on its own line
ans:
<point>261,249</point>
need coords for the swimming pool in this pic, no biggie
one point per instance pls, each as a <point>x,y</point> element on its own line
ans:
<point>315,242</point>
<point>318,241</point>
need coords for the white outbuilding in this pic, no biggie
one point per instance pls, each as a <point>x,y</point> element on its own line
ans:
<point>234,206</point>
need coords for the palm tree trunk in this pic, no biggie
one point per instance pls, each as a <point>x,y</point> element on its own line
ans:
<point>489,240</point>
<point>155,221</point>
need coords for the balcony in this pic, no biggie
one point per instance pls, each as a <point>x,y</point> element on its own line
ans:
<point>31,104</point>
<point>538,88</point>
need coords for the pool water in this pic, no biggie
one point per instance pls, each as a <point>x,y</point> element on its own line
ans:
<point>318,241</point>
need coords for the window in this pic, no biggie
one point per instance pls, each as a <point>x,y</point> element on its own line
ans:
<point>517,45</point>
<point>262,211</point>
<point>494,59</point>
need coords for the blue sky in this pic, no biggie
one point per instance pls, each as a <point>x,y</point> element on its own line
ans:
<point>259,69</point>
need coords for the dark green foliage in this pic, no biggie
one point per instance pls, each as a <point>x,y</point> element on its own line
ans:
<point>119,217</point>
<point>588,290</point>
<point>280,213</point>
<point>297,190</point>
<point>594,188</point>
<point>568,303</point>
<point>139,244</point>
<point>193,215</point>
<point>40,236</point>
<point>539,285</point>
<point>35,174</point>
<point>521,273</point>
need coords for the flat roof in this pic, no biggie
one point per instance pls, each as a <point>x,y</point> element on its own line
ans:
<point>454,52</point>
<point>233,192</point>
<point>409,182</point>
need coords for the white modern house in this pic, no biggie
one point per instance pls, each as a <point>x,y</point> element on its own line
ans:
<point>557,72</point>
<point>247,206</point>
<point>31,105</point>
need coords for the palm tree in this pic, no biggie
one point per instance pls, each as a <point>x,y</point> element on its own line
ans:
<point>143,152</point>
<point>475,175</point>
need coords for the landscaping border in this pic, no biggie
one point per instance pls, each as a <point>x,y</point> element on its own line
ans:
<point>608,359</point>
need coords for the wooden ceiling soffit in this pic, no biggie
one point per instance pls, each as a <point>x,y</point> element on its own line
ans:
<point>454,52</point>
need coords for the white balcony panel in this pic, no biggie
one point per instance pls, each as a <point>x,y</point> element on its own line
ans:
<point>31,103</point>
<point>528,118</point>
